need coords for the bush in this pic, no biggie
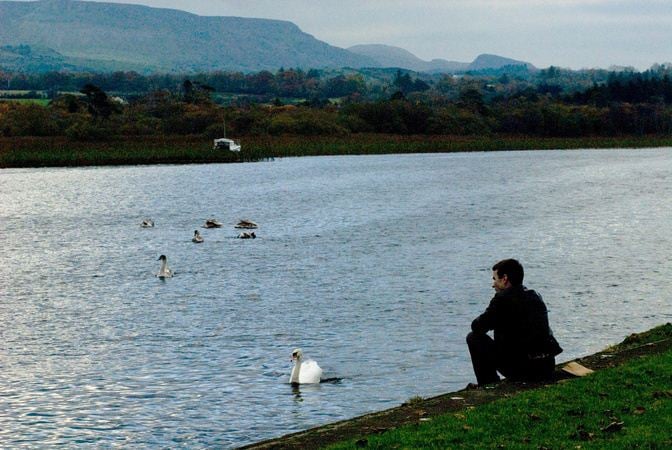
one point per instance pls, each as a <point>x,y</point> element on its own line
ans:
<point>85,130</point>
<point>29,119</point>
<point>143,126</point>
<point>306,123</point>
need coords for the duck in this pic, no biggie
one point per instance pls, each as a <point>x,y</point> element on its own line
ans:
<point>212,223</point>
<point>197,237</point>
<point>246,235</point>
<point>164,271</point>
<point>147,223</point>
<point>244,223</point>
<point>304,371</point>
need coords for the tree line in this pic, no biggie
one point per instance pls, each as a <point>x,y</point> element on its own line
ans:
<point>551,102</point>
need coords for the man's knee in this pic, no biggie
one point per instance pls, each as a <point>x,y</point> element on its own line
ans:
<point>474,338</point>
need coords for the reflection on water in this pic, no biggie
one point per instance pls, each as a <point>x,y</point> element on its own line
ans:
<point>375,266</point>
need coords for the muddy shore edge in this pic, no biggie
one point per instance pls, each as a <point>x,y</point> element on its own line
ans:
<point>423,409</point>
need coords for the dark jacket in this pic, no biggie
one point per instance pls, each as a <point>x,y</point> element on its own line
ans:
<point>519,319</point>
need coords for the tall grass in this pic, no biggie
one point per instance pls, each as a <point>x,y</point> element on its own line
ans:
<point>59,151</point>
<point>358,144</point>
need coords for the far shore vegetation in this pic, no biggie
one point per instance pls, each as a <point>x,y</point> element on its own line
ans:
<point>66,119</point>
<point>196,149</point>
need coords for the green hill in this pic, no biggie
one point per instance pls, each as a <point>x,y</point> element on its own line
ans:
<point>103,36</point>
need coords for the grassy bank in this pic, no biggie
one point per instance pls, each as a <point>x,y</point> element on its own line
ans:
<point>60,151</point>
<point>629,406</point>
<point>624,404</point>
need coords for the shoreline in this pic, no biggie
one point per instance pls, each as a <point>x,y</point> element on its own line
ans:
<point>36,152</point>
<point>416,411</point>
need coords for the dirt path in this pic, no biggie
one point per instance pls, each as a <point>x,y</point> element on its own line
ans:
<point>415,412</point>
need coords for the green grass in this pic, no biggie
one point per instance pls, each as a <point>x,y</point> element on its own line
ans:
<point>37,101</point>
<point>637,339</point>
<point>629,406</point>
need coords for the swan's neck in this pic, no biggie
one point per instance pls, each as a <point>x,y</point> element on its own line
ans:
<point>294,378</point>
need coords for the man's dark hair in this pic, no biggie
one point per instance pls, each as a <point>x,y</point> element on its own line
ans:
<point>511,268</point>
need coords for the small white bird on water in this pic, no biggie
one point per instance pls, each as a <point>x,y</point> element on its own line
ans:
<point>304,372</point>
<point>147,223</point>
<point>197,237</point>
<point>164,271</point>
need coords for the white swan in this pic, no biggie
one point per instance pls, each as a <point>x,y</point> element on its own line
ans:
<point>164,271</point>
<point>197,237</point>
<point>147,223</point>
<point>304,372</point>
<point>212,223</point>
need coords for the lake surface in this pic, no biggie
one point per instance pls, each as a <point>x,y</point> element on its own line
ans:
<point>373,265</point>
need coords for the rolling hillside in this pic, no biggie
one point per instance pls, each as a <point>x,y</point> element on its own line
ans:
<point>91,34</point>
<point>51,35</point>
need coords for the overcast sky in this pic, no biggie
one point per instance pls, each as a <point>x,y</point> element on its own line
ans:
<point>567,33</point>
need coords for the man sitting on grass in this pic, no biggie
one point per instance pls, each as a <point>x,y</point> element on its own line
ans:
<point>523,347</point>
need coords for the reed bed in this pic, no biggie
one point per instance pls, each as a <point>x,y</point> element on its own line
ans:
<point>60,151</point>
<point>130,150</point>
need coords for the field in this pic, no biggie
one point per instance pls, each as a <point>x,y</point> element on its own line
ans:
<point>37,101</point>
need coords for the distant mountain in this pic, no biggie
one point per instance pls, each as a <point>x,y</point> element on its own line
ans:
<point>98,36</point>
<point>389,56</point>
<point>496,62</point>
<point>49,35</point>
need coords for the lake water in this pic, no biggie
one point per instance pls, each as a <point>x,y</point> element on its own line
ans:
<point>373,265</point>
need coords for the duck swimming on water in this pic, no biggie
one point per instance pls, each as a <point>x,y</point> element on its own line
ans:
<point>244,223</point>
<point>212,223</point>
<point>147,223</point>
<point>197,237</point>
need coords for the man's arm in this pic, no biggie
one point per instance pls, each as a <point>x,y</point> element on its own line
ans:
<point>486,321</point>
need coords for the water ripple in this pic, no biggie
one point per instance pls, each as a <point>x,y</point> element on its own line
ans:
<point>375,266</point>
